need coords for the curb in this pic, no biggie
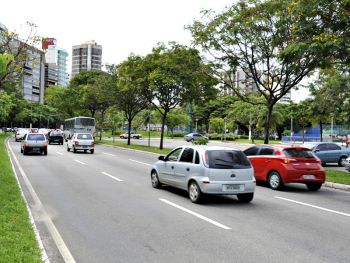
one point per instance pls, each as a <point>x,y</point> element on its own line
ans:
<point>343,187</point>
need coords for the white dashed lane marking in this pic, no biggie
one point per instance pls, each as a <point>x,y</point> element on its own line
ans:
<point>80,162</point>
<point>113,177</point>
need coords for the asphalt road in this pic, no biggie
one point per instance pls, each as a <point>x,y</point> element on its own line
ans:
<point>102,208</point>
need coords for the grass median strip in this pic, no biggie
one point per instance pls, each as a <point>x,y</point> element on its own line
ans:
<point>17,238</point>
<point>338,177</point>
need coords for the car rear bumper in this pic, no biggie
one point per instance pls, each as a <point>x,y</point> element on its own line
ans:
<point>298,176</point>
<point>219,187</point>
<point>83,147</point>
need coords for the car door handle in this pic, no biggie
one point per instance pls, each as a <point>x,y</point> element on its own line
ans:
<point>187,169</point>
<point>172,167</point>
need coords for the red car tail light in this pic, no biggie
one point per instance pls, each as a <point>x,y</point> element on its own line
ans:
<point>76,142</point>
<point>45,145</point>
<point>93,143</point>
<point>288,160</point>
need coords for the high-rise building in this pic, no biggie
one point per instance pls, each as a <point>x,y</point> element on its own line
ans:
<point>33,74</point>
<point>55,55</point>
<point>87,56</point>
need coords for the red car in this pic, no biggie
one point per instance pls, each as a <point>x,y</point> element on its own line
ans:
<point>282,164</point>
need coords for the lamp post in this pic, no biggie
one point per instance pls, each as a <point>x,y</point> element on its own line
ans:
<point>225,119</point>
<point>196,124</point>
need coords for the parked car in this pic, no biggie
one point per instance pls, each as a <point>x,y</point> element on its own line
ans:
<point>206,170</point>
<point>282,164</point>
<point>194,136</point>
<point>20,133</point>
<point>55,136</point>
<point>132,135</point>
<point>81,142</point>
<point>34,142</point>
<point>329,152</point>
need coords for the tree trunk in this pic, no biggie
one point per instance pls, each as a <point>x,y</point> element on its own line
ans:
<point>129,130</point>
<point>267,124</point>
<point>162,131</point>
<point>303,127</point>
<point>102,119</point>
<point>321,131</point>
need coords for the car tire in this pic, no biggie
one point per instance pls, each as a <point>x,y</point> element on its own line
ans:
<point>245,198</point>
<point>92,151</point>
<point>74,150</point>
<point>314,186</point>
<point>68,149</point>
<point>21,150</point>
<point>155,180</point>
<point>342,161</point>
<point>24,152</point>
<point>275,181</point>
<point>85,151</point>
<point>45,151</point>
<point>194,192</point>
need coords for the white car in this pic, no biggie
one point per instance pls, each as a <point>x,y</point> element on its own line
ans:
<point>206,170</point>
<point>81,142</point>
<point>20,133</point>
<point>132,135</point>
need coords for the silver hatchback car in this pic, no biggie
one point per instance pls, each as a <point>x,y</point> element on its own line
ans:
<point>81,142</point>
<point>206,170</point>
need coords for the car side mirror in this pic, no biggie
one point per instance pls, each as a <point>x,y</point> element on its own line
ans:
<point>161,158</point>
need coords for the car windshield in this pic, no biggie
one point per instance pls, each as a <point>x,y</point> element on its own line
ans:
<point>299,153</point>
<point>84,137</point>
<point>36,137</point>
<point>227,159</point>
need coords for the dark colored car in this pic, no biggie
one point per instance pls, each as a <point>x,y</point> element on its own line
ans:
<point>329,152</point>
<point>282,164</point>
<point>55,137</point>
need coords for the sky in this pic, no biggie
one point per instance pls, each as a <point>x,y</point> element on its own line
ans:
<point>121,27</point>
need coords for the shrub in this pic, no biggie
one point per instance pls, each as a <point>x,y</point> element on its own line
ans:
<point>244,136</point>
<point>176,134</point>
<point>200,141</point>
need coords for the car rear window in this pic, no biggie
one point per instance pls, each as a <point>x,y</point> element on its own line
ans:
<point>36,137</point>
<point>298,153</point>
<point>226,159</point>
<point>84,137</point>
<point>56,134</point>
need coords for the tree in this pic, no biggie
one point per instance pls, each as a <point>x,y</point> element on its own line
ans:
<point>176,118</point>
<point>175,78</point>
<point>255,37</point>
<point>6,105</point>
<point>63,99</point>
<point>131,87</point>
<point>95,91</point>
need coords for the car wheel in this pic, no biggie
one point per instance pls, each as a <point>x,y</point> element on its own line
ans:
<point>68,149</point>
<point>74,150</point>
<point>342,161</point>
<point>275,180</point>
<point>245,198</point>
<point>24,152</point>
<point>85,151</point>
<point>45,151</point>
<point>194,192</point>
<point>92,151</point>
<point>155,180</point>
<point>21,150</point>
<point>314,186</point>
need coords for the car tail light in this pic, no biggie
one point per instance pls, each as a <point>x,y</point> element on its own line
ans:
<point>76,143</point>
<point>206,159</point>
<point>93,143</point>
<point>288,160</point>
<point>45,145</point>
<point>26,145</point>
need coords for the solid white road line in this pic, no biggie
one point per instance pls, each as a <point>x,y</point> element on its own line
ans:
<point>42,215</point>
<point>59,153</point>
<point>195,214</point>
<point>140,162</point>
<point>113,177</point>
<point>79,162</point>
<point>313,206</point>
<point>109,154</point>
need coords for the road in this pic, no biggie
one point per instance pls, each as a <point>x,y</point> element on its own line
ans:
<point>102,208</point>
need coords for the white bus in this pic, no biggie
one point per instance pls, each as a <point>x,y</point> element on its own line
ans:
<point>79,124</point>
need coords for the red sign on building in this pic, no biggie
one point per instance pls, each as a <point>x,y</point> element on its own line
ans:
<point>46,42</point>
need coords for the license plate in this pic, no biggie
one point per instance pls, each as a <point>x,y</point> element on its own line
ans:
<point>85,146</point>
<point>36,149</point>
<point>233,187</point>
<point>308,176</point>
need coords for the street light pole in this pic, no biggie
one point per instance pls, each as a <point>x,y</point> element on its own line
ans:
<point>225,129</point>
<point>196,124</point>
<point>331,127</point>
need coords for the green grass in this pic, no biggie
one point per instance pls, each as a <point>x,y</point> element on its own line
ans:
<point>338,177</point>
<point>17,238</point>
<point>136,147</point>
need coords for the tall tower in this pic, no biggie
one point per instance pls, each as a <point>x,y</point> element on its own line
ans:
<point>87,56</point>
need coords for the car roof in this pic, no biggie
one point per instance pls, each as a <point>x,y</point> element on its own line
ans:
<point>281,146</point>
<point>209,147</point>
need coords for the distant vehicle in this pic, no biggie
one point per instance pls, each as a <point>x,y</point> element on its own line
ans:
<point>132,135</point>
<point>81,142</point>
<point>329,152</point>
<point>34,142</point>
<point>282,164</point>
<point>206,170</point>
<point>194,136</point>
<point>20,133</point>
<point>55,136</point>
<point>44,131</point>
<point>79,125</point>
